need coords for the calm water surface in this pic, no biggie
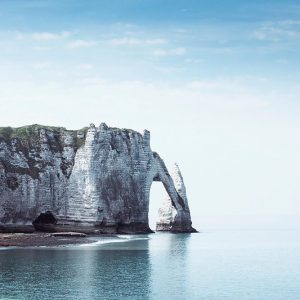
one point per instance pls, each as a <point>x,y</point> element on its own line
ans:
<point>210,265</point>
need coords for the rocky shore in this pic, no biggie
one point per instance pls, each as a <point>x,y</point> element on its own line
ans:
<point>39,239</point>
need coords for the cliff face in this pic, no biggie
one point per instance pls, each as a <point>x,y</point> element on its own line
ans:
<point>95,179</point>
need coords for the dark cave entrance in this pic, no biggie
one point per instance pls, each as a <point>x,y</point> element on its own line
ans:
<point>45,222</point>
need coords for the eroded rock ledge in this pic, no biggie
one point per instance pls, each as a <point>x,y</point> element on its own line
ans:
<point>96,179</point>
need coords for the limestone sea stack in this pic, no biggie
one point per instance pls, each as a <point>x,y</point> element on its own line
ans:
<point>96,179</point>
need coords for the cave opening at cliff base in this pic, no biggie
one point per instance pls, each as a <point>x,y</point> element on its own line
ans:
<point>45,221</point>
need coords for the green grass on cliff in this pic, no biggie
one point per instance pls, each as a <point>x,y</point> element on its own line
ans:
<point>31,133</point>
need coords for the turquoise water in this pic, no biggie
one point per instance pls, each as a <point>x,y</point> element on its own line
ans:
<point>210,265</point>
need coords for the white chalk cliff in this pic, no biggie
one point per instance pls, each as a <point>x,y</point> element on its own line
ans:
<point>96,179</point>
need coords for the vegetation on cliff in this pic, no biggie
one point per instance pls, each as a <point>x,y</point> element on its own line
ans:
<point>30,135</point>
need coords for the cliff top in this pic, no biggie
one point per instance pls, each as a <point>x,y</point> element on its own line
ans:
<point>31,133</point>
<point>26,131</point>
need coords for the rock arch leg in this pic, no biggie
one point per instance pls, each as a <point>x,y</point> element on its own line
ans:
<point>174,215</point>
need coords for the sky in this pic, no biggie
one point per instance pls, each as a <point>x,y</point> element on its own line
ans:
<point>216,83</point>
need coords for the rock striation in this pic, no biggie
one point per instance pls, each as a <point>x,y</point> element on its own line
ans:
<point>96,179</point>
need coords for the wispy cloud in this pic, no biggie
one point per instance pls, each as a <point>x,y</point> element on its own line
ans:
<point>166,70</point>
<point>276,31</point>
<point>289,22</point>
<point>195,60</point>
<point>82,44</point>
<point>169,52</point>
<point>282,61</point>
<point>44,36</point>
<point>232,84</point>
<point>85,67</point>
<point>213,85</point>
<point>136,41</point>
<point>41,65</point>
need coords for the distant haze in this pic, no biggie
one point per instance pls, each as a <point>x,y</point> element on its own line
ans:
<point>216,83</point>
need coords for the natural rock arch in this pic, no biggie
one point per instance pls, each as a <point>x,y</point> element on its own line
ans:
<point>96,179</point>
<point>174,214</point>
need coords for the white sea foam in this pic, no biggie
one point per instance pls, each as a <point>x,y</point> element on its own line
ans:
<point>118,239</point>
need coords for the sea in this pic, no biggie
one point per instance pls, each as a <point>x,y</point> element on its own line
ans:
<point>212,264</point>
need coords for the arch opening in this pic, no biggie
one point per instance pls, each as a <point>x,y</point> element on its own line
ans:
<point>158,194</point>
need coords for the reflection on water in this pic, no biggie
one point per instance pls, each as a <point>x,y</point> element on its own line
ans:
<point>73,273</point>
<point>235,265</point>
<point>170,251</point>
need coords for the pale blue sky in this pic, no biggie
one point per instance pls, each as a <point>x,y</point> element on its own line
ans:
<point>216,83</point>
